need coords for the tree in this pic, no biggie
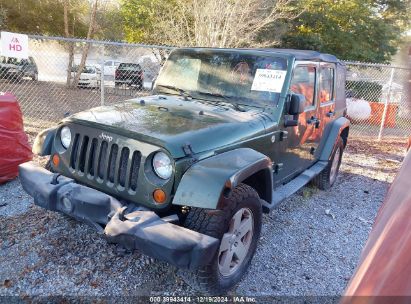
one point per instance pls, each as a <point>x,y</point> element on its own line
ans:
<point>360,30</point>
<point>67,34</point>
<point>42,16</point>
<point>3,18</point>
<point>213,23</point>
<point>90,34</point>
<point>109,22</point>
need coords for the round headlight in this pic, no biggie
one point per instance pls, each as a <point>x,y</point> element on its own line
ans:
<point>65,136</point>
<point>162,165</point>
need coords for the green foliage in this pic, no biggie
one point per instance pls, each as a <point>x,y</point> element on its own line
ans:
<point>360,30</point>
<point>44,16</point>
<point>109,23</point>
<point>140,18</point>
<point>367,90</point>
<point>3,18</point>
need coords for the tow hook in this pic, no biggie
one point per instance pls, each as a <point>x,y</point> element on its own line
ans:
<point>54,180</point>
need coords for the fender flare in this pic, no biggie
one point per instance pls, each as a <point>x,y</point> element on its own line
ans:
<point>332,131</point>
<point>206,182</point>
<point>44,141</point>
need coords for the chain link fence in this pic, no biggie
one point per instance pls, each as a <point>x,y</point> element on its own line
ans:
<point>379,100</point>
<point>46,87</point>
<point>378,96</point>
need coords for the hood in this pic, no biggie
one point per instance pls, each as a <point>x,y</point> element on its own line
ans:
<point>172,122</point>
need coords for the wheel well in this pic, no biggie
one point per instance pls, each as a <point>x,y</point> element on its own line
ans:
<point>261,181</point>
<point>344,135</point>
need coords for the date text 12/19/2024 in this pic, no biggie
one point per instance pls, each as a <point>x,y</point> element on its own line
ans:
<point>201,299</point>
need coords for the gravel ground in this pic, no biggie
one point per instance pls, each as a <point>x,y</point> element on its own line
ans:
<point>309,245</point>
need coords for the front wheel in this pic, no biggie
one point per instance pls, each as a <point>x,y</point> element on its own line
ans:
<point>238,226</point>
<point>328,176</point>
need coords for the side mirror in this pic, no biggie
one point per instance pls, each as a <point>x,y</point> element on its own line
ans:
<point>297,104</point>
<point>296,107</point>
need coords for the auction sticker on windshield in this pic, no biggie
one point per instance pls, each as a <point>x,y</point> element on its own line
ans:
<point>268,80</point>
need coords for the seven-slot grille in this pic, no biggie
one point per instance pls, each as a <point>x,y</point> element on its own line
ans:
<point>104,161</point>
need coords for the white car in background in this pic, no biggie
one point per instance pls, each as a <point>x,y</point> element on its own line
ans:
<point>89,78</point>
<point>110,67</point>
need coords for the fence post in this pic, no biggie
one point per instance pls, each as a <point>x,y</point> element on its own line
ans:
<point>102,82</point>
<point>387,100</point>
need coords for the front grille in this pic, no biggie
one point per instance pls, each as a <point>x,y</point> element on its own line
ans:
<point>98,159</point>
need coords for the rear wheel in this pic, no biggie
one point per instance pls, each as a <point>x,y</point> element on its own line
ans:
<point>328,176</point>
<point>238,226</point>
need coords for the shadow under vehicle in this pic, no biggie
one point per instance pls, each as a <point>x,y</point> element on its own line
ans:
<point>185,174</point>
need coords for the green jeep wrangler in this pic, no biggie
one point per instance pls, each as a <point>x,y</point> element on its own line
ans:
<point>185,174</point>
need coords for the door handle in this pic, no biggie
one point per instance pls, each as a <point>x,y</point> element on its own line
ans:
<point>314,121</point>
<point>330,114</point>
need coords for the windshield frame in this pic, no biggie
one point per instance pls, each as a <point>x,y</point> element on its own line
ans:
<point>237,100</point>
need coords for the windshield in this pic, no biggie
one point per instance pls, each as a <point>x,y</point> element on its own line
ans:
<point>238,77</point>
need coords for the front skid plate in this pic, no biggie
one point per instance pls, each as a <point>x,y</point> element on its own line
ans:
<point>142,230</point>
<point>146,231</point>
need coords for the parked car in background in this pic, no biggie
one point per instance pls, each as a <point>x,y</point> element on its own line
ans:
<point>129,74</point>
<point>89,78</point>
<point>110,67</point>
<point>15,68</point>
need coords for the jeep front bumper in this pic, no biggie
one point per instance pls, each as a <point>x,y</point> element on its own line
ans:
<point>142,230</point>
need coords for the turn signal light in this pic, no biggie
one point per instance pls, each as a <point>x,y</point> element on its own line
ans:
<point>159,196</point>
<point>55,160</point>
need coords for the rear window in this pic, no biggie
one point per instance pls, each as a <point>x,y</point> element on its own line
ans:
<point>134,66</point>
<point>326,84</point>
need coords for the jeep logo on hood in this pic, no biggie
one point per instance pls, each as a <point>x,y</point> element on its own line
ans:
<point>105,137</point>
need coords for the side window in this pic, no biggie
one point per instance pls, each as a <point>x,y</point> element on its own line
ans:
<point>303,82</point>
<point>326,93</point>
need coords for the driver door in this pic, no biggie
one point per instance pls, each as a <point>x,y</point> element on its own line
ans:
<point>302,140</point>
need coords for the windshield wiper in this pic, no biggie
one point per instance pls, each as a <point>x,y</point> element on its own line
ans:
<point>182,92</point>
<point>227,99</point>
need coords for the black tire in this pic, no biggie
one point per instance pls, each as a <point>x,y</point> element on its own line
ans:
<point>325,180</point>
<point>208,279</point>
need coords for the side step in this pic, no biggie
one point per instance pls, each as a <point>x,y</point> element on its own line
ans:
<point>285,191</point>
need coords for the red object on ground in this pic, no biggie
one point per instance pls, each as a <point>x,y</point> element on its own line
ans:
<point>385,264</point>
<point>377,111</point>
<point>409,143</point>
<point>14,146</point>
